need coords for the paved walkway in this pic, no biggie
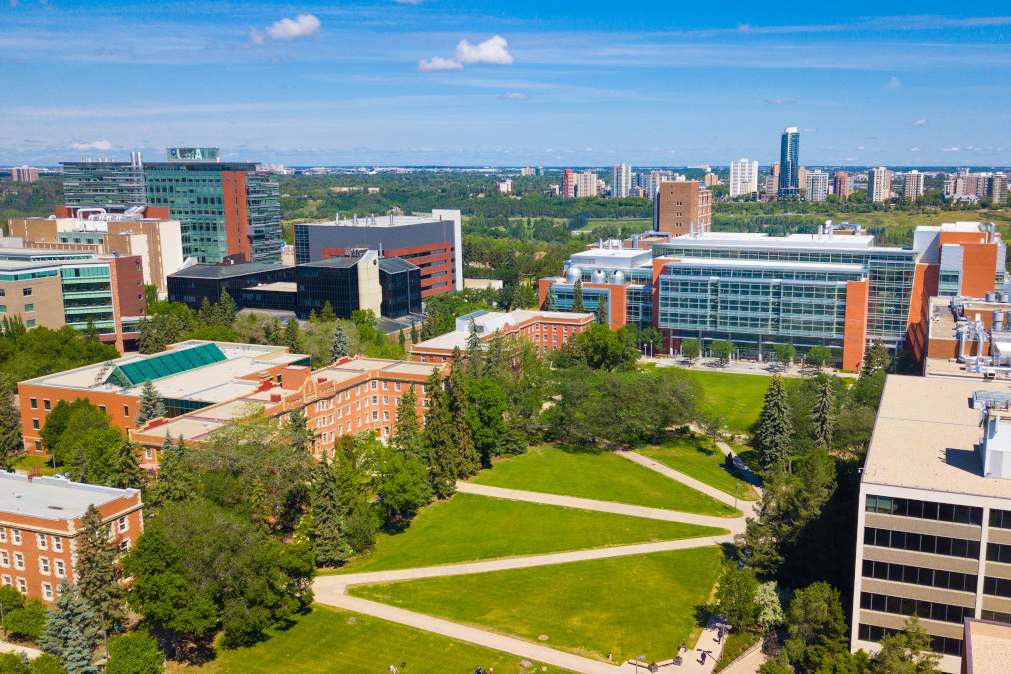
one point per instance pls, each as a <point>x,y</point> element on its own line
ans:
<point>8,647</point>
<point>332,590</point>
<point>750,664</point>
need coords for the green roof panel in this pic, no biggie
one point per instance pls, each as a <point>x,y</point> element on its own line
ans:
<point>165,364</point>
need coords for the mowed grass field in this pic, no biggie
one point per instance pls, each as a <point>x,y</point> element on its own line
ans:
<point>327,640</point>
<point>597,475</point>
<point>737,398</point>
<point>626,606</point>
<point>695,457</point>
<point>469,527</point>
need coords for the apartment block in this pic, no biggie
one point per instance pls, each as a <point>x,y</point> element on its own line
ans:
<point>879,184</point>
<point>146,232</point>
<point>586,184</point>
<point>548,330</point>
<point>621,181</point>
<point>841,185</point>
<point>433,243</point>
<point>53,288</point>
<point>188,376</point>
<point>350,396</point>
<point>789,164</point>
<point>743,177</point>
<point>816,185</point>
<point>24,174</point>
<point>682,208</point>
<point>912,186</point>
<point>227,210</point>
<point>934,523</point>
<point>40,519</point>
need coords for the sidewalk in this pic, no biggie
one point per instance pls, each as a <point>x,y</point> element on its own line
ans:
<point>8,647</point>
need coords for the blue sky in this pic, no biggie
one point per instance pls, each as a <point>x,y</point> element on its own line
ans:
<point>506,83</point>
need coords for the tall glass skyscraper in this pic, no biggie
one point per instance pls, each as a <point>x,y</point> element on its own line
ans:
<point>789,162</point>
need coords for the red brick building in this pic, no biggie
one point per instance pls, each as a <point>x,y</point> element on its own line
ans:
<point>40,519</point>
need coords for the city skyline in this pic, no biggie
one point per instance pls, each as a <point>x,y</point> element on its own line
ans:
<point>437,82</point>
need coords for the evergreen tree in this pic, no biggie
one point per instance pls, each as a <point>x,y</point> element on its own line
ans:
<point>327,314</point>
<point>340,346</point>
<point>773,437</point>
<point>326,537</point>
<point>549,301</point>
<point>402,341</point>
<point>876,359</point>
<point>126,470</point>
<point>601,313</point>
<point>226,309</point>
<point>175,481</point>
<point>577,296</point>
<point>823,414</point>
<point>97,573</point>
<point>468,460</point>
<point>414,332</point>
<point>440,448</point>
<point>259,505</point>
<point>907,652</point>
<point>151,405</point>
<point>90,331</point>
<point>473,350</point>
<point>11,445</point>
<point>72,631</point>
<point>292,336</point>
<point>495,357</point>
<point>297,426</point>
<point>407,435</point>
<point>272,333</point>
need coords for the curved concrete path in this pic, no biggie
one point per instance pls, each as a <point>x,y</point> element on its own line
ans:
<point>332,590</point>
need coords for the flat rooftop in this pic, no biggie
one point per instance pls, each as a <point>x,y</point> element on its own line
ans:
<point>277,287</point>
<point>860,242</point>
<point>212,382</point>
<point>53,498</point>
<point>378,221</point>
<point>987,647</point>
<point>925,437</point>
<point>673,262</point>
<point>219,271</point>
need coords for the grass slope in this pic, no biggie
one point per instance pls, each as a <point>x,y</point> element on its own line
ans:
<point>597,475</point>
<point>331,640</point>
<point>695,458</point>
<point>737,398</point>
<point>469,527</point>
<point>628,606</point>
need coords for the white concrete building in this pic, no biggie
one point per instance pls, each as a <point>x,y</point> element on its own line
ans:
<point>621,180</point>
<point>586,184</point>
<point>816,185</point>
<point>743,177</point>
<point>879,184</point>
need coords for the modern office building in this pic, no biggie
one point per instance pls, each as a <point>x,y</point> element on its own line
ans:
<point>934,523</point>
<point>53,288</point>
<point>40,519</point>
<point>879,184</point>
<point>24,174</point>
<point>146,232</point>
<point>912,185</point>
<point>227,210</point>
<point>389,287</point>
<point>789,163</point>
<point>841,185</point>
<point>433,243</point>
<point>743,177</point>
<point>353,395</point>
<point>621,180</point>
<point>548,330</point>
<point>684,207</point>
<point>188,376</point>
<point>816,185</point>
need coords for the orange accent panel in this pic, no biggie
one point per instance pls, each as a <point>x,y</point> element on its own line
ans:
<point>617,315</point>
<point>979,267</point>
<point>855,330</point>
<point>237,239</point>
<point>925,280</point>
<point>543,285</point>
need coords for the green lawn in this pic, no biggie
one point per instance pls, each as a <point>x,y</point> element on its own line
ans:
<point>594,223</point>
<point>736,643</point>
<point>737,398</point>
<point>30,462</point>
<point>331,640</point>
<point>469,527</point>
<point>629,606</point>
<point>597,475</point>
<point>695,457</point>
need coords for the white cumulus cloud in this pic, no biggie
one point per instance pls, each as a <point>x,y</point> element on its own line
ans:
<point>514,96</point>
<point>302,25</point>
<point>950,149</point>
<point>94,145</point>
<point>919,122</point>
<point>439,63</point>
<point>494,50</point>
<point>914,149</point>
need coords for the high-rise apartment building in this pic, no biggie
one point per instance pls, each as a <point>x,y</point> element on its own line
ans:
<point>802,177</point>
<point>998,189</point>
<point>586,184</point>
<point>621,180</point>
<point>842,185</point>
<point>912,185</point>
<point>743,177</point>
<point>568,183</point>
<point>24,174</point>
<point>789,163</point>
<point>683,208</point>
<point>657,177</point>
<point>710,179</point>
<point>227,210</point>
<point>816,185</point>
<point>879,184</point>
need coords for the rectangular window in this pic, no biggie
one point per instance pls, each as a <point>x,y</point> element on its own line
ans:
<point>29,308</point>
<point>35,424</point>
<point>30,323</point>
<point>47,591</point>
<point>124,545</point>
<point>47,404</point>
<point>60,570</point>
<point>22,586</point>
<point>126,410</point>
<point>19,560</point>
<point>27,292</point>
<point>34,403</point>
<point>41,540</point>
<point>58,543</point>
<point>44,566</point>
<point>5,560</point>
<point>122,523</point>
<point>16,536</point>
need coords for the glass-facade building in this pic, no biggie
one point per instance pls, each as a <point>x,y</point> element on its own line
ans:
<point>789,163</point>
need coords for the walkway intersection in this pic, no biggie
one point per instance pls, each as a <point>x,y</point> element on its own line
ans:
<point>332,590</point>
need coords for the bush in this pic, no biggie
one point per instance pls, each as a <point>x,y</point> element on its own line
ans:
<point>10,598</point>
<point>11,663</point>
<point>135,653</point>
<point>46,664</point>
<point>26,623</point>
